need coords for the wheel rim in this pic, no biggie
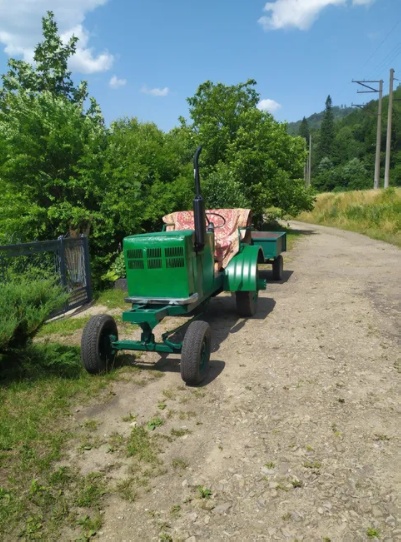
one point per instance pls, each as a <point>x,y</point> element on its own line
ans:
<point>106,350</point>
<point>204,355</point>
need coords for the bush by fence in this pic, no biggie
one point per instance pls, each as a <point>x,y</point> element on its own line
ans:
<point>25,304</point>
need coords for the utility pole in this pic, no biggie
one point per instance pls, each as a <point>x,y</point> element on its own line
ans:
<point>308,163</point>
<point>388,139</point>
<point>379,124</point>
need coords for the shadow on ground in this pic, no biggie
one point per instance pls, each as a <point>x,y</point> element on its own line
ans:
<point>223,320</point>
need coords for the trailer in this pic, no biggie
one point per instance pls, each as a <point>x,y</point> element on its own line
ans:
<point>272,244</point>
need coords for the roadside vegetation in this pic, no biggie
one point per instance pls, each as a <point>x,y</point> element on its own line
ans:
<point>376,213</point>
<point>41,383</point>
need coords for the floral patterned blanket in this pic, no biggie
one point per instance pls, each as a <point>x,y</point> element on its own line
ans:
<point>226,235</point>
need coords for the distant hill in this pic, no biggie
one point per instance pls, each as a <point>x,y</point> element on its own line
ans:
<point>315,120</point>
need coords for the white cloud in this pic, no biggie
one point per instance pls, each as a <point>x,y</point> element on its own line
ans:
<point>155,91</point>
<point>115,82</point>
<point>299,13</point>
<point>268,105</point>
<point>21,30</point>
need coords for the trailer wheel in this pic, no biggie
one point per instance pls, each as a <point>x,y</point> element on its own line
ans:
<point>278,268</point>
<point>97,354</point>
<point>195,352</point>
<point>246,303</point>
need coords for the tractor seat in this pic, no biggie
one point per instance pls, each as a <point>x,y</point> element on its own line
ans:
<point>227,238</point>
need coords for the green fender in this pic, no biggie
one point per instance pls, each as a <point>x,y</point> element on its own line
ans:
<point>241,274</point>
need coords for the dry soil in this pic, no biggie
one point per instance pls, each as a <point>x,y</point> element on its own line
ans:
<point>295,434</point>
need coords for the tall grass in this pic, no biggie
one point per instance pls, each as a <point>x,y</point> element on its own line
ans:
<point>376,213</point>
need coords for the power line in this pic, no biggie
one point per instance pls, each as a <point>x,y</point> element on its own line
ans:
<point>381,43</point>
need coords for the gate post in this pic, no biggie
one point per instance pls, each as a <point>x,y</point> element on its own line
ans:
<point>87,268</point>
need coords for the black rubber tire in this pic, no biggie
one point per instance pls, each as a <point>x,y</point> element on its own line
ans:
<point>97,356</point>
<point>195,353</point>
<point>278,265</point>
<point>247,303</point>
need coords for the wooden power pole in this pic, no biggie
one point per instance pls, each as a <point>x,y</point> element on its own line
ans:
<point>376,181</point>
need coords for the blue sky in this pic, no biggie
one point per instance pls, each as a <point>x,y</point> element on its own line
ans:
<point>143,58</point>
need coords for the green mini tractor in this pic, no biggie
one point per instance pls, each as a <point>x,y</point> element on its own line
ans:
<point>174,273</point>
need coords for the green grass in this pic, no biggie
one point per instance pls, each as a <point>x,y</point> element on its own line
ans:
<point>63,326</point>
<point>376,213</point>
<point>37,497</point>
<point>112,298</point>
<point>141,446</point>
<point>372,532</point>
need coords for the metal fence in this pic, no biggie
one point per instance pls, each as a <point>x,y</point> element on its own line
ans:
<point>68,258</point>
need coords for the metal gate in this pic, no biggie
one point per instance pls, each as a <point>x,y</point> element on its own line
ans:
<point>68,258</point>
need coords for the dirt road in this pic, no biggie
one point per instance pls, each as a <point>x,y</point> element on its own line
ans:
<point>296,433</point>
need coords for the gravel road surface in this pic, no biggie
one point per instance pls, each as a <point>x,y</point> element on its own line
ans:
<point>295,435</point>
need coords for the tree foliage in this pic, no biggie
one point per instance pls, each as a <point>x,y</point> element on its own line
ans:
<point>304,130</point>
<point>327,132</point>
<point>50,71</point>
<point>348,162</point>
<point>62,171</point>
<point>247,153</point>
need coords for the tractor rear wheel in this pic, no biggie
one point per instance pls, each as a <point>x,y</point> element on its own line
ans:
<point>97,353</point>
<point>246,303</point>
<point>195,352</point>
<point>278,268</point>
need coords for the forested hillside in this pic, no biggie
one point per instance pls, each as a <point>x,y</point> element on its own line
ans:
<point>343,149</point>
<point>62,171</point>
<point>314,121</point>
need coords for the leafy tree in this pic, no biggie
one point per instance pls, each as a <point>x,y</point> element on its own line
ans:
<point>50,147</point>
<point>217,111</point>
<point>50,161</point>
<point>49,73</point>
<point>247,153</point>
<point>144,169</point>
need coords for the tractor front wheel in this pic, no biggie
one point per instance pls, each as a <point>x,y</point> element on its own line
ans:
<point>246,303</point>
<point>195,352</point>
<point>97,353</point>
<point>278,268</point>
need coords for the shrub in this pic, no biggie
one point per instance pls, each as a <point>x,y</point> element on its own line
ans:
<point>25,304</point>
<point>117,269</point>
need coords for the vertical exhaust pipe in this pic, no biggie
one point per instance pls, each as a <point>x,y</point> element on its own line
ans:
<point>199,207</point>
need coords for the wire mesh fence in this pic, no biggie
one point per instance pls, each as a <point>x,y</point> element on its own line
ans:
<point>65,258</point>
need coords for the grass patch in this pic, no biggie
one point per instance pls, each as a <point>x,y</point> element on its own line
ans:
<point>372,532</point>
<point>113,298</point>
<point>127,489</point>
<point>141,447</point>
<point>375,213</point>
<point>204,492</point>
<point>37,497</point>
<point>63,327</point>
<point>153,423</point>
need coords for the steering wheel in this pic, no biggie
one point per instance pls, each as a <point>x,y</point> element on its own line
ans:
<point>215,214</point>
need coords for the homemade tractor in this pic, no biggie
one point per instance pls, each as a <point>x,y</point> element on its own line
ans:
<point>176,272</point>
